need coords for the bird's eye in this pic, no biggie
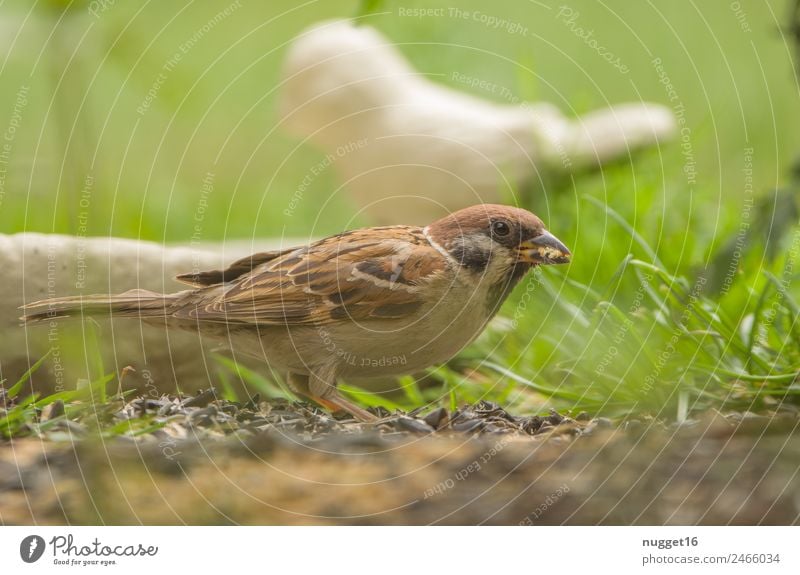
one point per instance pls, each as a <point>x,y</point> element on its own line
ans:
<point>500,228</point>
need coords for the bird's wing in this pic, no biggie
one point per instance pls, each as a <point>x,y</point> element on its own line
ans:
<point>233,271</point>
<point>358,275</point>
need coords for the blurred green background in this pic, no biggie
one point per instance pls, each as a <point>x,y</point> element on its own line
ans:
<point>85,68</point>
<point>215,111</point>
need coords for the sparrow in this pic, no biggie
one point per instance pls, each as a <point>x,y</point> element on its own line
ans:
<point>363,304</point>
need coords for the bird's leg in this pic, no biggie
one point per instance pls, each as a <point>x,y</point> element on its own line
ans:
<point>322,387</point>
<point>336,402</point>
<point>317,388</point>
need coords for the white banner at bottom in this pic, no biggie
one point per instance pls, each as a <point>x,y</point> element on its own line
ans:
<point>357,550</point>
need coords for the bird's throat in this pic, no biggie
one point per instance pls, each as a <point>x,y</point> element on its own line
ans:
<point>500,290</point>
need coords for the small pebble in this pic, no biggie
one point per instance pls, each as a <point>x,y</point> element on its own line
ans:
<point>437,418</point>
<point>468,426</point>
<point>414,425</point>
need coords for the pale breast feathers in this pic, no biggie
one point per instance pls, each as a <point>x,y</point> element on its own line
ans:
<point>359,275</point>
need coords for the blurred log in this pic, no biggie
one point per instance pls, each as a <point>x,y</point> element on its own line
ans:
<point>610,479</point>
<point>38,266</point>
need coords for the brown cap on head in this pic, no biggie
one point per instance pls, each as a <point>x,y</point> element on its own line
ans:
<point>508,226</point>
<point>480,217</point>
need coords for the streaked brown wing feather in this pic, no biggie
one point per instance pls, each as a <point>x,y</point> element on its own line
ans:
<point>353,275</point>
<point>233,271</point>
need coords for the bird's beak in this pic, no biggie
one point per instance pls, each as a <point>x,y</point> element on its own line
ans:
<point>544,249</point>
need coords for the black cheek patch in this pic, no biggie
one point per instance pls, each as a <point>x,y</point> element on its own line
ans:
<point>471,257</point>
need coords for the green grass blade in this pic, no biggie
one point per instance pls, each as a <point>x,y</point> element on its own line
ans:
<point>627,227</point>
<point>15,389</point>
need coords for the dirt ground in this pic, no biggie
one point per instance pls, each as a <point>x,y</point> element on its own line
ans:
<point>218,463</point>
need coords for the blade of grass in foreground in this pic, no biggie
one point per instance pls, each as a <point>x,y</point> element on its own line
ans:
<point>627,227</point>
<point>15,389</point>
<point>549,391</point>
<point>253,379</point>
<point>94,358</point>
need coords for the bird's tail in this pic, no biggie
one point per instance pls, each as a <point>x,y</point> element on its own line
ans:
<point>132,303</point>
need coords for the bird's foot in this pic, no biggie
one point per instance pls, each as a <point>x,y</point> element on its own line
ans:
<point>338,403</point>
